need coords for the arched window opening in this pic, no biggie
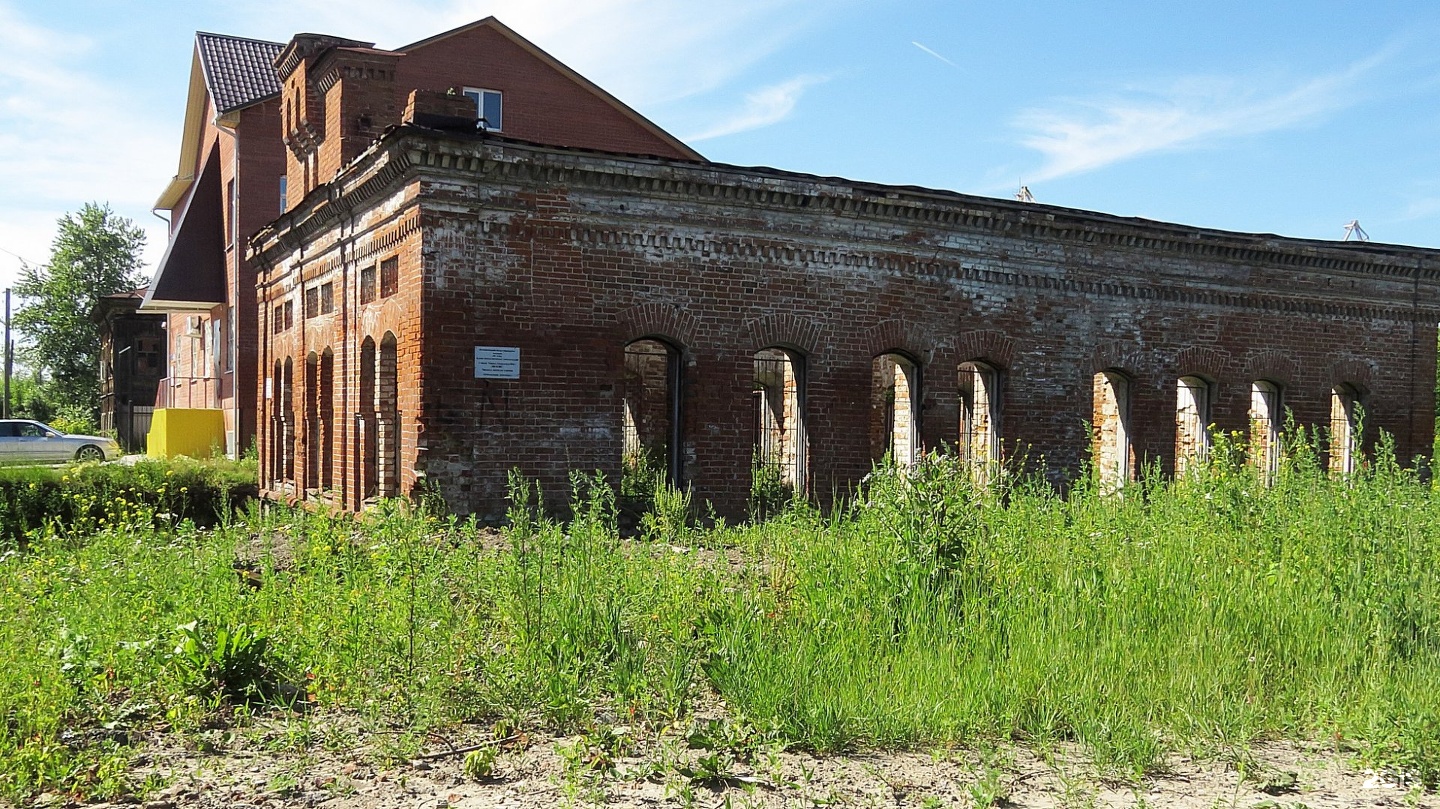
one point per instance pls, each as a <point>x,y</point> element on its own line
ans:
<point>1344,429</point>
<point>275,449</point>
<point>326,394</point>
<point>1192,417</point>
<point>894,403</point>
<point>387,418</point>
<point>650,414</point>
<point>779,449</point>
<point>312,421</point>
<point>1113,454</point>
<point>365,444</point>
<point>1265,428</point>
<point>287,416</point>
<point>979,439</point>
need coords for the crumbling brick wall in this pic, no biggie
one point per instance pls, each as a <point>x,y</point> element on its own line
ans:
<point>570,256</point>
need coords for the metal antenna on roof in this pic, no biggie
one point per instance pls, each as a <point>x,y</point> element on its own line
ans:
<point>1353,229</point>
<point>1024,194</point>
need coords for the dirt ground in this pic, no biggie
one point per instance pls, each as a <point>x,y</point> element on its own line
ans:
<point>334,764</point>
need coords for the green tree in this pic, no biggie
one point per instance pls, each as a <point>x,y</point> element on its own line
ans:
<point>95,253</point>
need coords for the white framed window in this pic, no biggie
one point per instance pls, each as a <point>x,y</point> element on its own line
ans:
<point>488,107</point>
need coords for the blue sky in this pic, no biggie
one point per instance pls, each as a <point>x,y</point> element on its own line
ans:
<point>1279,117</point>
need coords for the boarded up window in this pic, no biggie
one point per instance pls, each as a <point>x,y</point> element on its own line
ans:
<point>894,396</point>
<point>389,277</point>
<point>1113,455</point>
<point>367,284</point>
<point>327,298</point>
<point>779,430</point>
<point>979,399</point>
<point>1344,429</point>
<point>1265,428</point>
<point>1192,415</point>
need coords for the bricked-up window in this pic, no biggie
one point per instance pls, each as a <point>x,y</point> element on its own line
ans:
<point>1192,416</point>
<point>979,399</point>
<point>327,298</point>
<point>230,212</point>
<point>1114,457</point>
<point>389,277</point>
<point>894,408</point>
<point>367,284</point>
<point>387,412</point>
<point>277,318</point>
<point>1265,428</point>
<point>1344,429</point>
<point>365,445</point>
<point>274,455</point>
<point>289,314</point>
<point>312,302</point>
<point>779,450</point>
<point>326,394</point>
<point>311,426</point>
<point>287,417</point>
<point>650,410</point>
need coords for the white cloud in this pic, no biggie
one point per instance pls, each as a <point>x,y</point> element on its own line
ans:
<point>934,54</point>
<point>68,136</point>
<point>1083,135</point>
<point>646,52</point>
<point>766,106</point>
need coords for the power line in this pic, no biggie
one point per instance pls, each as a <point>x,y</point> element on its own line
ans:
<point>23,260</point>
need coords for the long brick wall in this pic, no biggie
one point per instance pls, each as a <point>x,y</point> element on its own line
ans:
<point>571,255</point>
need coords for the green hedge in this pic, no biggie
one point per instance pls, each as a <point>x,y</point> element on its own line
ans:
<point>79,497</point>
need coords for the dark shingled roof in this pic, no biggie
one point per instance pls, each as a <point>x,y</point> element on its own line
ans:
<point>238,72</point>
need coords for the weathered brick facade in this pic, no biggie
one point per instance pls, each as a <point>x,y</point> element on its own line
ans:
<point>571,255</point>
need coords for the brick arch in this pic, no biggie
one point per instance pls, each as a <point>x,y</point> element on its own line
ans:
<point>1351,371</point>
<point>1271,365</point>
<point>1124,357</point>
<point>990,346</point>
<point>1211,363</point>
<point>783,329</point>
<point>657,320</point>
<point>897,335</point>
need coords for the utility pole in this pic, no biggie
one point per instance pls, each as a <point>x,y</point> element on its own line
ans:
<point>9,356</point>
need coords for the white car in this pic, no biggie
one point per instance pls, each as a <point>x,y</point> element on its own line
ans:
<point>25,441</point>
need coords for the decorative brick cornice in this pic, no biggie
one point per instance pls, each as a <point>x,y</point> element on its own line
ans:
<point>404,150</point>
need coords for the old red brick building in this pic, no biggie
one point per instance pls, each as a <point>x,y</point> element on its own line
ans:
<point>457,303</point>
<point>249,151</point>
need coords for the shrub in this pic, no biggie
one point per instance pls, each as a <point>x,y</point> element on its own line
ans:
<point>82,497</point>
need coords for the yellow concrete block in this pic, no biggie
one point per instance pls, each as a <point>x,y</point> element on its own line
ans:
<point>186,431</point>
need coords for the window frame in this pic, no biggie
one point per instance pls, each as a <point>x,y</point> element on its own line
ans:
<point>478,94</point>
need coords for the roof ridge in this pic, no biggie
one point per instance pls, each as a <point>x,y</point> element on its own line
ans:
<point>239,38</point>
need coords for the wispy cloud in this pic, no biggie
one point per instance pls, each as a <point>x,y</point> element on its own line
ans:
<point>646,52</point>
<point>766,106</point>
<point>1077,136</point>
<point>67,136</point>
<point>934,54</point>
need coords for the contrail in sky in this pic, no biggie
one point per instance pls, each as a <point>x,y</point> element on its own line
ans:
<point>934,54</point>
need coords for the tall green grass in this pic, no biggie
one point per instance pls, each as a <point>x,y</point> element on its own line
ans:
<point>1199,614</point>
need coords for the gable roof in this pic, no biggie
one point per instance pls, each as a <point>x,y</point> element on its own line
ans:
<point>564,70</point>
<point>238,72</point>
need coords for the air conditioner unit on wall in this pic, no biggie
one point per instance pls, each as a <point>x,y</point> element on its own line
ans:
<point>192,326</point>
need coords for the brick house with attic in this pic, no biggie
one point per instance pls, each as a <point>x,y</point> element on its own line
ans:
<point>250,151</point>
<point>485,303</point>
<point>229,184</point>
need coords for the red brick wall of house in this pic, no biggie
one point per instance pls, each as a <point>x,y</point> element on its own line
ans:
<point>540,104</point>
<point>570,256</point>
